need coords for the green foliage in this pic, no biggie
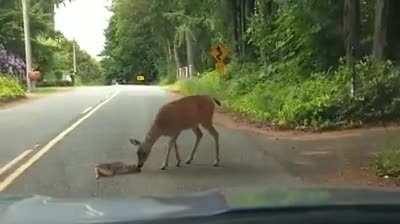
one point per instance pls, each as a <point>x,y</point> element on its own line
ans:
<point>142,33</point>
<point>209,83</point>
<point>297,35</point>
<point>387,163</point>
<point>10,88</point>
<point>377,94</point>
<point>321,101</point>
<point>51,51</point>
<point>284,65</point>
<point>167,73</point>
<point>53,83</point>
<point>132,45</point>
<point>89,70</point>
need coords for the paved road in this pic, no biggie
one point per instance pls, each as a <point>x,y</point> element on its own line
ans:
<point>248,160</point>
<point>36,122</point>
<point>67,169</point>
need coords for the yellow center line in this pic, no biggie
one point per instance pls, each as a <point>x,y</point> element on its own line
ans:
<point>16,160</point>
<point>21,169</point>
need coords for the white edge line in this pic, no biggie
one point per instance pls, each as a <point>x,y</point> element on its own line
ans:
<point>15,161</point>
<point>86,110</point>
<point>20,170</point>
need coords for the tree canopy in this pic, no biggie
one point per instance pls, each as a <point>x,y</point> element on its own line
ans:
<point>51,51</point>
<point>309,34</point>
<point>291,62</point>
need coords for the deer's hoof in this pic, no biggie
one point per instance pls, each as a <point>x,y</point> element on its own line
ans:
<point>163,167</point>
<point>188,161</point>
<point>178,164</point>
<point>216,164</point>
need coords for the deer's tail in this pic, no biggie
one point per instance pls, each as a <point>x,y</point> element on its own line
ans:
<point>217,101</point>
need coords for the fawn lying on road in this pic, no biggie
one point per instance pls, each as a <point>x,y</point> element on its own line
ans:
<point>174,117</point>
<point>115,168</point>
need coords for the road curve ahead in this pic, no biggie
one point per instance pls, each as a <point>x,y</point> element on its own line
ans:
<point>66,170</point>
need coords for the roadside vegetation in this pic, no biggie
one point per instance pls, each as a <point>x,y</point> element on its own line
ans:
<point>52,53</point>
<point>321,101</point>
<point>387,163</point>
<point>292,64</point>
<point>10,89</point>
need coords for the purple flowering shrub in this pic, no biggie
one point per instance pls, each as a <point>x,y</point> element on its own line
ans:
<point>11,63</point>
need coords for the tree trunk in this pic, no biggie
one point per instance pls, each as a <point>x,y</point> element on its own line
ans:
<point>380,30</point>
<point>250,12</point>
<point>189,50</point>
<point>393,31</point>
<point>52,16</point>
<point>352,35</point>
<point>169,52</point>
<point>251,7</point>
<point>176,57</point>
<point>236,27</point>
<point>269,7</point>
<point>351,28</point>
<point>243,27</point>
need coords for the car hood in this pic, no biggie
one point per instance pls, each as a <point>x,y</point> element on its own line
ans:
<point>44,209</point>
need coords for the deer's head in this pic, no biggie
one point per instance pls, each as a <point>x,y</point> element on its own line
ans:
<point>142,152</point>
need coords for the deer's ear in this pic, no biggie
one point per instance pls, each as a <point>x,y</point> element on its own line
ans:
<point>134,141</point>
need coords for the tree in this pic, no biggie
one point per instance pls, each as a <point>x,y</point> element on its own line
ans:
<point>380,31</point>
<point>42,28</point>
<point>393,32</point>
<point>132,41</point>
<point>352,35</point>
<point>243,10</point>
<point>351,28</point>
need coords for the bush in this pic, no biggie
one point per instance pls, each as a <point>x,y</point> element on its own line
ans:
<point>320,101</point>
<point>208,83</point>
<point>58,74</point>
<point>387,163</point>
<point>167,80</point>
<point>166,73</point>
<point>377,93</point>
<point>10,88</point>
<point>308,104</point>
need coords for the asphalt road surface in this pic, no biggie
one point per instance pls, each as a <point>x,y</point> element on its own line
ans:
<point>67,169</point>
<point>248,160</point>
<point>35,123</point>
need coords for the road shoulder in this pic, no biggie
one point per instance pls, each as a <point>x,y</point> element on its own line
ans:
<point>349,163</point>
<point>38,94</point>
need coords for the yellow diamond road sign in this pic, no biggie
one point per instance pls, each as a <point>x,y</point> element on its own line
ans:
<point>220,53</point>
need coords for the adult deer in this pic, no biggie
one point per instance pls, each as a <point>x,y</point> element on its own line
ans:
<point>174,117</point>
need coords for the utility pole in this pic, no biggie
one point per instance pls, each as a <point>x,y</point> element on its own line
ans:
<point>28,51</point>
<point>74,61</point>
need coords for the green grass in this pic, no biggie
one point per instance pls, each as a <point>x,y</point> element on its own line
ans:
<point>10,88</point>
<point>317,101</point>
<point>387,163</point>
<point>281,104</point>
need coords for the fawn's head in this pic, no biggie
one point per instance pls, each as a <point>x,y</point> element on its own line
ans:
<point>142,152</point>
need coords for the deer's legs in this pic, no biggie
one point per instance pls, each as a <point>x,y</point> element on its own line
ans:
<point>178,157</point>
<point>215,134</point>
<point>171,143</point>
<point>199,135</point>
